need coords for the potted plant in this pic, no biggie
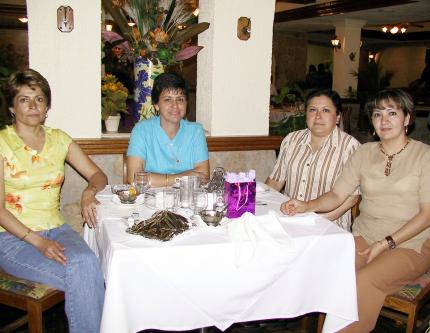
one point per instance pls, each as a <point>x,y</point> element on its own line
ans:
<point>292,96</point>
<point>114,97</point>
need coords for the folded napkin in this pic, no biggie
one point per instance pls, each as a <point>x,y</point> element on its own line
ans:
<point>106,193</point>
<point>262,188</point>
<point>302,219</point>
<point>247,233</point>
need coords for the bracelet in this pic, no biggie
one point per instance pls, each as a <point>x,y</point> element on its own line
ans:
<point>26,234</point>
<point>391,243</point>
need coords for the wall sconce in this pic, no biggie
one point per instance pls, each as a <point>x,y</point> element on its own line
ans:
<point>23,19</point>
<point>131,23</point>
<point>108,27</point>
<point>371,56</point>
<point>65,20</point>
<point>244,28</point>
<point>335,42</point>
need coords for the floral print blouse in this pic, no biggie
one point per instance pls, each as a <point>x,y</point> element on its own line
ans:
<point>33,179</point>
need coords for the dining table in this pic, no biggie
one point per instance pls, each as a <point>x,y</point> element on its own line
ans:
<point>256,267</point>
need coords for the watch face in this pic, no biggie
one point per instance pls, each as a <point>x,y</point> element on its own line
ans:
<point>391,243</point>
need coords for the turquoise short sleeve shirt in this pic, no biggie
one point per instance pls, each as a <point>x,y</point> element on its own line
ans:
<point>161,154</point>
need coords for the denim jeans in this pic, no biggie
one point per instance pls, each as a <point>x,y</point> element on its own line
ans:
<point>81,279</point>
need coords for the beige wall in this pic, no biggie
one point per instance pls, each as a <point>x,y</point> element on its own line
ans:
<point>233,85</point>
<point>407,62</point>
<point>70,62</point>
<point>319,54</point>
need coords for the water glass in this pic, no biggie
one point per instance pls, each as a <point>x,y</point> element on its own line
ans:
<point>187,185</point>
<point>170,199</point>
<point>200,200</point>
<point>141,181</point>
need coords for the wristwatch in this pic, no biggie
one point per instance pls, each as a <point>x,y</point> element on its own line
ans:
<point>391,242</point>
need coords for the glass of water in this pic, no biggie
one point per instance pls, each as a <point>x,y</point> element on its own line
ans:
<point>170,199</point>
<point>200,200</point>
<point>141,181</point>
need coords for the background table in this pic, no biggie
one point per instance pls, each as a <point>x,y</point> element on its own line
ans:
<point>201,278</point>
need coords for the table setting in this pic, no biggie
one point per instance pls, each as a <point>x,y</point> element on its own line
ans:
<point>252,266</point>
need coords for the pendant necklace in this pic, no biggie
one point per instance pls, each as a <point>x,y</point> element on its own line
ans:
<point>390,157</point>
<point>172,153</point>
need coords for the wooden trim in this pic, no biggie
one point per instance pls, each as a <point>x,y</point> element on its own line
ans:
<point>333,8</point>
<point>119,146</point>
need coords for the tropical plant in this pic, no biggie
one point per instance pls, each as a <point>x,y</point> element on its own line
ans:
<point>164,28</point>
<point>114,96</point>
<point>289,94</point>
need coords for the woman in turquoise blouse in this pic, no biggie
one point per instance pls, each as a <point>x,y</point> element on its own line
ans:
<point>168,146</point>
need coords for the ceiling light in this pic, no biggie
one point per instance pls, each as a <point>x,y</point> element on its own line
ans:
<point>23,19</point>
<point>403,29</point>
<point>384,29</point>
<point>394,29</point>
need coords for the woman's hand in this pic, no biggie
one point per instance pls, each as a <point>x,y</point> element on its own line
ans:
<point>89,207</point>
<point>294,206</point>
<point>373,251</point>
<point>51,250</point>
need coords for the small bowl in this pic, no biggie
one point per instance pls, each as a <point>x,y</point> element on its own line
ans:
<point>127,196</point>
<point>120,187</point>
<point>211,217</point>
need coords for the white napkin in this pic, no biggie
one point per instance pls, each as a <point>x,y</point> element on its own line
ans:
<point>248,232</point>
<point>302,219</point>
<point>106,193</point>
<point>261,188</point>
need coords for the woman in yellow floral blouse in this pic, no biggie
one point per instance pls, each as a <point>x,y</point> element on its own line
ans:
<point>36,244</point>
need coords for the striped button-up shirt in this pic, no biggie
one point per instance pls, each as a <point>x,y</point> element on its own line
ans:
<point>308,174</point>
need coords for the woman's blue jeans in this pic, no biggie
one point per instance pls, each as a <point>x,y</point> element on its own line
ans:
<point>81,279</point>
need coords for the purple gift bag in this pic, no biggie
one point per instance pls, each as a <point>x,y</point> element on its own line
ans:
<point>240,198</point>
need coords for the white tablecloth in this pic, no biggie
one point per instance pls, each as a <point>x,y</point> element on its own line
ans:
<point>205,277</point>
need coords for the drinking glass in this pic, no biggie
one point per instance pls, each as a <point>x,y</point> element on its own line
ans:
<point>188,184</point>
<point>141,181</point>
<point>170,199</point>
<point>200,200</point>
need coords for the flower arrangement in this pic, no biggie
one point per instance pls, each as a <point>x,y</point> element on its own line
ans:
<point>114,96</point>
<point>163,30</point>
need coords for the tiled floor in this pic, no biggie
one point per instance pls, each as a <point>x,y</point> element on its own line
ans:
<point>56,322</point>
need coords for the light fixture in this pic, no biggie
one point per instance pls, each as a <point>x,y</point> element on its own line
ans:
<point>23,19</point>
<point>371,56</point>
<point>130,22</point>
<point>335,42</point>
<point>394,29</point>
<point>196,12</point>
<point>109,27</point>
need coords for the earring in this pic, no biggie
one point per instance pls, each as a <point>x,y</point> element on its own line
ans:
<point>406,129</point>
<point>374,133</point>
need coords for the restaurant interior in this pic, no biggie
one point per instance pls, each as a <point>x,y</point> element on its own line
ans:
<point>355,42</point>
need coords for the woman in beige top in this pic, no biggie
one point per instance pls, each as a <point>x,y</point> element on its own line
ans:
<point>392,232</point>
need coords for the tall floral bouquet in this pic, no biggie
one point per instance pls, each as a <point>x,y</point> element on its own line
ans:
<point>114,96</point>
<point>163,30</point>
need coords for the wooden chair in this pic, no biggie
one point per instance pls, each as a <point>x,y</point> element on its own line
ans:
<point>29,296</point>
<point>404,305</point>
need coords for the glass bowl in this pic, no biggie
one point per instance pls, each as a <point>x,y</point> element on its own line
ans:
<point>127,196</point>
<point>211,217</point>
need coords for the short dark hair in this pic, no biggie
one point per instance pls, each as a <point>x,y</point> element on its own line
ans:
<point>397,97</point>
<point>27,77</point>
<point>168,81</point>
<point>333,95</point>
